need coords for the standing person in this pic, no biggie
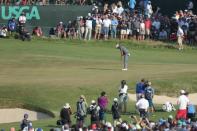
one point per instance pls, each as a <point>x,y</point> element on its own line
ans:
<point>65,114</point>
<point>125,54</point>
<point>142,106</point>
<point>22,19</point>
<point>81,111</point>
<point>149,94</point>
<point>123,96</point>
<point>148,25</point>
<point>88,29</point>
<point>180,36</point>
<point>94,113</point>
<point>25,124</point>
<point>140,89</point>
<point>98,27</point>
<point>114,24</point>
<point>106,26</point>
<point>102,103</point>
<point>182,103</point>
<point>115,112</point>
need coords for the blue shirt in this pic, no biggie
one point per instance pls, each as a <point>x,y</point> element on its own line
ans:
<point>114,22</point>
<point>140,87</point>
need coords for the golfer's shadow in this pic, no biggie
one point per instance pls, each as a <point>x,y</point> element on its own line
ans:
<point>101,69</point>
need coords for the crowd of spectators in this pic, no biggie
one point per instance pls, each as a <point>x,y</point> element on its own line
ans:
<point>184,120</point>
<point>115,21</point>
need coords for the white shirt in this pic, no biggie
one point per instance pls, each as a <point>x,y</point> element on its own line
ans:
<point>106,23</point>
<point>120,10</point>
<point>123,90</point>
<point>182,102</point>
<point>180,32</point>
<point>89,24</point>
<point>142,26</point>
<point>156,24</point>
<point>142,104</point>
<point>22,19</point>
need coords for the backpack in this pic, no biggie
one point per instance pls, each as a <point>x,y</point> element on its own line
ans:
<point>148,93</point>
<point>191,109</point>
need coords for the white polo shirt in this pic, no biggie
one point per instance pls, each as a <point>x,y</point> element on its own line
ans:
<point>182,102</point>
<point>106,23</point>
<point>123,90</point>
<point>142,104</point>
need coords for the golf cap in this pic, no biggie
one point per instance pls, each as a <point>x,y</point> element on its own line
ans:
<point>182,91</point>
<point>117,45</point>
<point>115,100</point>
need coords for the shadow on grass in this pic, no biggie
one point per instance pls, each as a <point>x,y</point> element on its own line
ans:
<point>101,69</point>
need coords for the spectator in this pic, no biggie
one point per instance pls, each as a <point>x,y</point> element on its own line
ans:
<point>37,31</point>
<point>60,32</point>
<point>106,26</point>
<point>163,35</point>
<point>12,25</point>
<point>123,30</point>
<point>102,103</point>
<point>180,36</point>
<point>115,112</point>
<point>147,28</point>
<point>142,106</point>
<point>94,113</point>
<point>182,103</point>
<point>114,24</point>
<point>142,30</point>
<point>65,114</point>
<point>148,10</point>
<point>140,89</point>
<point>25,124</point>
<point>149,94</point>
<point>98,26</point>
<point>123,96</point>
<point>22,19</point>
<point>81,111</point>
<point>3,32</point>
<point>88,28</point>
<point>120,9</point>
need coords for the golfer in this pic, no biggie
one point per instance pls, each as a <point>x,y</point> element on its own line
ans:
<point>125,54</point>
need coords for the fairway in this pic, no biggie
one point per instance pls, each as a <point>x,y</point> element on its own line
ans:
<point>48,73</point>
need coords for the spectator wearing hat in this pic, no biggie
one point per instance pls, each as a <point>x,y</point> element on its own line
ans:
<point>123,98</point>
<point>94,112</point>
<point>98,26</point>
<point>22,19</point>
<point>125,54</point>
<point>149,94</point>
<point>116,112</point>
<point>102,103</point>
<point>81,111</point>
<point>88,28</point>
<point>182,103</point>
<point>65,114</point>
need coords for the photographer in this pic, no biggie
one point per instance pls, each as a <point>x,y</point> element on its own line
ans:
<point>65,114</point>
<point>94,112</point>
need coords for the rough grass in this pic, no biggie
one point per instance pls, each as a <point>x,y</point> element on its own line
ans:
<point>48,73</point>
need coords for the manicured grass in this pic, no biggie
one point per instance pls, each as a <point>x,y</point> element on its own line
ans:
<point>49,73</point>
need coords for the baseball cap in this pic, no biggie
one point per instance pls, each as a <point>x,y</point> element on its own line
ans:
<point>182,91</point>
<point>115,99</point>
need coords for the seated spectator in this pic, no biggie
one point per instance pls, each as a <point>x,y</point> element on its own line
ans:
<point>37,31</point>
<point>24,34</point>
<point>163,35</point>
<point>3,32</point>
<point>12,25</point>
<point>60,30</point>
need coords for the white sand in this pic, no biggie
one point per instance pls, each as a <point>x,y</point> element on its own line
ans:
<point>162,99</point>
<point>16,115</point>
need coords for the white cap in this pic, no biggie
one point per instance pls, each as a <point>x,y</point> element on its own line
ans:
<point>182,91</point>
<point>115,99</point>
<point>93,101</point>
<point>117,45</point>
<point>67,105</point>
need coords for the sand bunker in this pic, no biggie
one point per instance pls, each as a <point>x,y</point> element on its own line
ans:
<point>162,99</point>
<point>16,115</point>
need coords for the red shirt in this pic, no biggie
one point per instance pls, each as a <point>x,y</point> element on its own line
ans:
<point>148,24</point>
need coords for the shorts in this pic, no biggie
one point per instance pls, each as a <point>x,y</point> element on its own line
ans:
<point>98,29</point>
<point>147,31</point>
<point>143,113</point>
<point>150,102</point>
<point>181,114</point>
<point>123,32</point>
